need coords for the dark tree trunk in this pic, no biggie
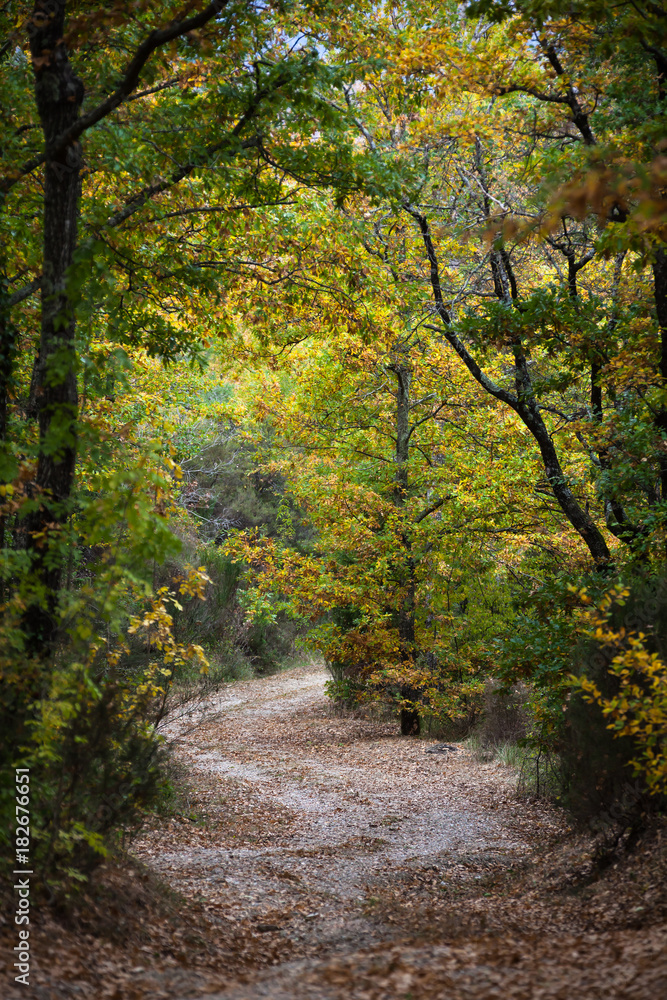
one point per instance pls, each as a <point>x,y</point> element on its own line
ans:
<point>660,291</point>
<point>58,95</point>
<point>529,412</point>
<point>410,722</point>
<point>524,405</point>
<point>7,352</point>
<point>403,386</point>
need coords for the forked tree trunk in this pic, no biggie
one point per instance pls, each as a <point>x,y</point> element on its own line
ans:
<point>524,405</point>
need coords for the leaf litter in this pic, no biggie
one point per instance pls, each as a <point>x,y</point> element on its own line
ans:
<point>351,863</point>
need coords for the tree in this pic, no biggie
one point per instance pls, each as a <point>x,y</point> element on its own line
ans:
<point>492,114</point>
<point>133,139</point>
<point>228,93</point>
<point>379,446</point>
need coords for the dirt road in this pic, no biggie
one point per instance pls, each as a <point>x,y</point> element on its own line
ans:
<point>373,869</point>
<point>327,812</point>
<point>318,857</point>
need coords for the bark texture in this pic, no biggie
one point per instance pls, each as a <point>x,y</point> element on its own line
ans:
<point>58,95</point>
<point>660,291</point>
<point>410,721</point>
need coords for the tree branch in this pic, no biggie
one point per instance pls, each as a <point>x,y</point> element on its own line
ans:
<point>430,510</point>
<point>155,40</point>
<point>141,198</point>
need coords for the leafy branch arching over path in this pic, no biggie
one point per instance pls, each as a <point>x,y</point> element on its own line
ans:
<point>330,836</point>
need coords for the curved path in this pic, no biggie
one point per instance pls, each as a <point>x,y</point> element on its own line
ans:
<point>324,857</point>
<point>363,867</point>
<point>310,816</point>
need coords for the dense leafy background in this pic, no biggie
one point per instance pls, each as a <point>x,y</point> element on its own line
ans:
<point>366,324</point>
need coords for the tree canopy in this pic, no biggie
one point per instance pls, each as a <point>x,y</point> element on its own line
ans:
<point>402,270</point>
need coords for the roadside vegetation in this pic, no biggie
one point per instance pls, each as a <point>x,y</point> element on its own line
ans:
<point>341,336</point>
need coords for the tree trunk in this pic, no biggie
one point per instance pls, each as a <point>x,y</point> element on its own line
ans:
<point>410,721</point>
<point>580,520</point>
<point>523,404</point>
<point>7,352</point>
<point>660,292</point>
<point>58,95</point>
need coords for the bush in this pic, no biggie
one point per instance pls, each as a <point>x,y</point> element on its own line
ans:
<point>86,727</point>
<point>597,764</point>
<point>592,658</point>
<point>506,717</point>
<point>347,686</point>
<point>617,713</point>
<point>223,491</point>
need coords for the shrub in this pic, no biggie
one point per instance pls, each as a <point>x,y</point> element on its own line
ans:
<point>86,729</point>
<point>620,692</point>
<point>506,717</point>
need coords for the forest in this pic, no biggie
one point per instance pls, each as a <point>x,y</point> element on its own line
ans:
<point>331,335</point>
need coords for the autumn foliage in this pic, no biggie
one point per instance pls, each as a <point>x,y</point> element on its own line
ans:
<point>412,267</point>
